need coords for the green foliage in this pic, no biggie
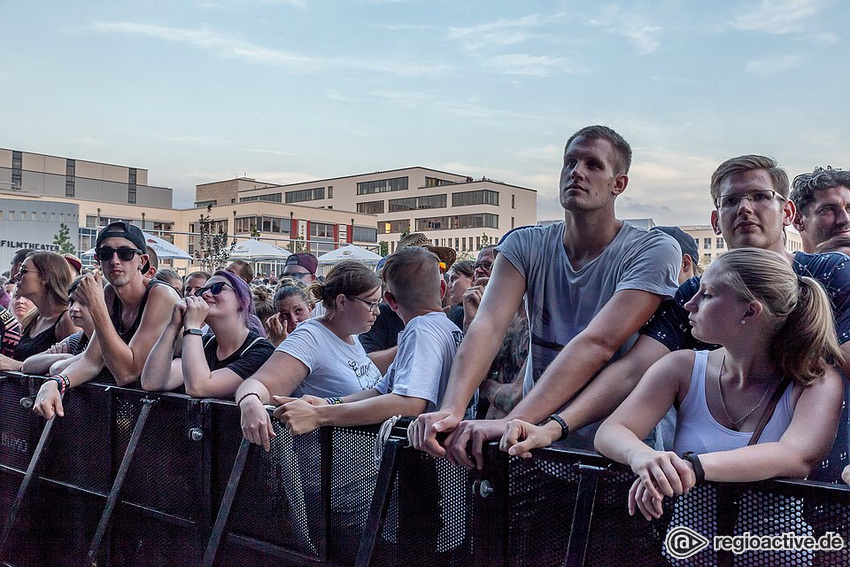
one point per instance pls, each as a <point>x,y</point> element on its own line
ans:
<point>385,248</point>
<point>63,241</point>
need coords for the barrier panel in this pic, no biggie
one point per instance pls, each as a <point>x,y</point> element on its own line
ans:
<point>134,478</point>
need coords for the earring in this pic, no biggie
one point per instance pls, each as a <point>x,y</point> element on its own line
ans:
<point>743,322</point>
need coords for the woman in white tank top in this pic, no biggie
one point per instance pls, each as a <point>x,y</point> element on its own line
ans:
<point>776,330</point>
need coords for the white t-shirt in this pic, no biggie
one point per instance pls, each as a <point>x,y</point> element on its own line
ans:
<point>561,302</point>
<point>426,348</point>
<point>336,367</point>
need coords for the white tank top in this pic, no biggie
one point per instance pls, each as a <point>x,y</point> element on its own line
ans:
<point>698,431</point>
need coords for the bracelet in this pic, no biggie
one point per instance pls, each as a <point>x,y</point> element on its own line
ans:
<point>239,403</point>
<point>333,401</point>
<point>60,382</point>
<point>693,458</point>
<point>565,429</point>
<point>196,332</point>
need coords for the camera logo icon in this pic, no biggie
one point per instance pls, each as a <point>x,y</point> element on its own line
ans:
<point>683,542</point>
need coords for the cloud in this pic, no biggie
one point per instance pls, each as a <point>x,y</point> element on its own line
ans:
<point>632,25</point>
<point>272,152</point>
<point>500,33</point>
<point>778,16</point>
<point>524,64</point>
<point>230,47</point>
<point>418,100</point>
<point>773,65</point>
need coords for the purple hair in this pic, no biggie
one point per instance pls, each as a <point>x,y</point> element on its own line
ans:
<point>246,301</point>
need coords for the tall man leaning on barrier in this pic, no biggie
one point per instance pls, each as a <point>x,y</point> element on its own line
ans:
<point>590,283</point>
<point>129,315</point>
<point>750,194</point>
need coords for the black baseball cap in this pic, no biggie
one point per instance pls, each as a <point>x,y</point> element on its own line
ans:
<point>123,229</point>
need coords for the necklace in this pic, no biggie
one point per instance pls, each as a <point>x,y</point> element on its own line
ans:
<point>723,401</point>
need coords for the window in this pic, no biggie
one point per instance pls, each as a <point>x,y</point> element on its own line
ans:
<point>720,243</point>
<point>371,207</point>
<point>364,234</point>
<point>205,204</point>
<point>706,243</point>
<point>396,226</point>
<point>436,182</point>
<point>245,224</point>
<point>417,203</point>
<point>17,169</point>
<point>11,215</point>
<point>131,186</point>
<point>513,201</point>
<point>481,220</point>
<point>481,197</point>
<point>512,223</point>
<point>271,197</point>
<point>330,191</point>
<point>382,186</point>
<point>321,230</point>
<point>70,177</point>
<point>305,195</point>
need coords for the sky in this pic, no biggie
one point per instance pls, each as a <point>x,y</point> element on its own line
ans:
<point>292,90</point>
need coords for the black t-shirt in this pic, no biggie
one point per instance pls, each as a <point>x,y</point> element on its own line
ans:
<point>455,315</point>
<point>384,333</point>
<point>247,359</point>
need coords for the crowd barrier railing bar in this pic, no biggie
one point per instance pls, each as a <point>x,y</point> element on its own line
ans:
<point>134,478</point>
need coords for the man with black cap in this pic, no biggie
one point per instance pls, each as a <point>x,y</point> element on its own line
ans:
<point>129,315</point>
<point>690,254</point>
<point>301,266</point>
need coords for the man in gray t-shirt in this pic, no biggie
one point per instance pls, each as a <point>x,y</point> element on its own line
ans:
<point>590,282</point>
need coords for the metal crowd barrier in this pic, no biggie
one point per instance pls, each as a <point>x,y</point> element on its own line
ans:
<point>133,478</point>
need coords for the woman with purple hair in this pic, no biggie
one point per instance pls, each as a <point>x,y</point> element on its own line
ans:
<point>212,365</point>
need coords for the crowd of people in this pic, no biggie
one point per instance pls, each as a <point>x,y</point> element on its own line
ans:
<point>589,332</point>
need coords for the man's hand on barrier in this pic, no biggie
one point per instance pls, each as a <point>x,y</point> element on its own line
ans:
<point>642,500</point>
<point>424,430</point>
<point>48,402</point>
<point>256,423</point>
<point>298,416</point>
<point>464,446</point>
<point>521,437</point>
<point>845,475</point>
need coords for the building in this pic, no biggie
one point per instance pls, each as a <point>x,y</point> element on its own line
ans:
<point>451,209</point>
<point>711,246</point>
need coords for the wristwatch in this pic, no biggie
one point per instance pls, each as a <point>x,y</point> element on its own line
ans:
<point>196,332</point>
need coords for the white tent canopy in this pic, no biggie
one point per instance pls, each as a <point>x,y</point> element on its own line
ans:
<point>256,251</point>
<point>349,252</point>
<point>164,249</point>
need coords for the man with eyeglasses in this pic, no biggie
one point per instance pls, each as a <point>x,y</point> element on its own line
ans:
<point>129,315</point>
<point>590,283</point>
<point>751,208</point>
<point>822,198</point>
<point>484,264</point>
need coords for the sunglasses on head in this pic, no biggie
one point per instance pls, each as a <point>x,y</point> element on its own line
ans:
<point>214,289</point>
<point>125,253</point>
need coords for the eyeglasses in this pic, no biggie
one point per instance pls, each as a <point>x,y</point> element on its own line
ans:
<point>757,198</point>
<point>23,271</point>
<point>373,305</point>
<point>214,289</point>
<point>125,253</point>
<point>482,265</point>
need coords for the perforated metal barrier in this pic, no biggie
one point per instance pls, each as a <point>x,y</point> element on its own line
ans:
<point>136,479</point>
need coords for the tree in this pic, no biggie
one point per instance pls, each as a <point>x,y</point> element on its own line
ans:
<point>255,233</point>
<point>212,251</point>
<point>63,241</point>
<point>385,248</point>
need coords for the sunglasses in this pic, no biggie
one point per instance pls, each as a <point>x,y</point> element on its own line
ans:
<point>23,271</point>
<point>125,253</point>
<point>214,289</point>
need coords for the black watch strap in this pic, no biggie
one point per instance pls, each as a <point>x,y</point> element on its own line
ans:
<point>565,429</point>
<point>196,332</point>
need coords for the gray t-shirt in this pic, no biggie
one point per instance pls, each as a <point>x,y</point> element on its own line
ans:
<point>561,302</point>
<point>426,348</point>
<point>336,367</point>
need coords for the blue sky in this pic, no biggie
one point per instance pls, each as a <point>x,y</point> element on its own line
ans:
<point>290,90</point>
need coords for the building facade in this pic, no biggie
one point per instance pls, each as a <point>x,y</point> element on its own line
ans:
<point>451,209</point>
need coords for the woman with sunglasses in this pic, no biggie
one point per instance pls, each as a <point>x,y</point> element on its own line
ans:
<point>44,279</point>
<point>321,356</point>
<point>55,359</point>
<point>215,364</point>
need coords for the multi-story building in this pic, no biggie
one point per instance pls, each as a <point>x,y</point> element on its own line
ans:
<point>451,209</point>
<point>711,246</point>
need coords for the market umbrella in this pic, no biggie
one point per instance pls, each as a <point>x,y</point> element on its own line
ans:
<point>349,252</point>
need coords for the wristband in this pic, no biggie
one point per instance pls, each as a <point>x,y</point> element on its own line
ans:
<point>565,429</point>
<point>196,332</point>
<point>239,403</point>
<point>60,382</point>
<point>333,401</point>
<point>693,458</point>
